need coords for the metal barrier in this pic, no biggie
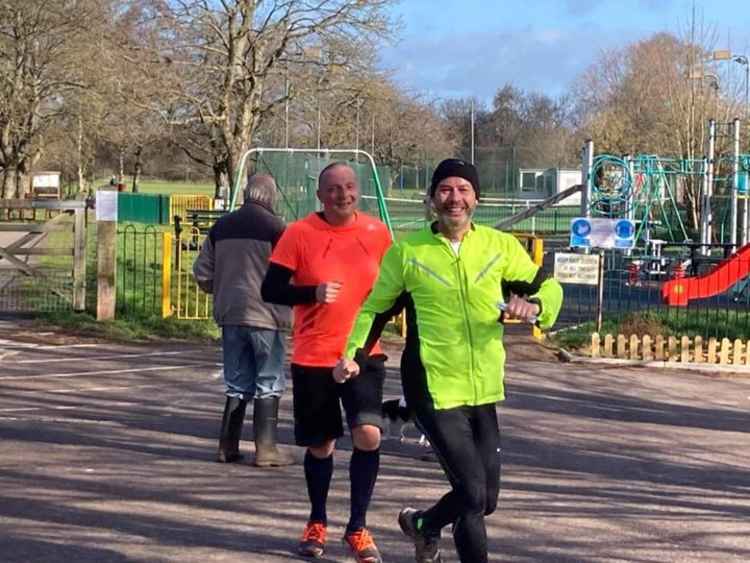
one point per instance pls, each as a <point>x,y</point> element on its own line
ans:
<point>43,264</point>
<point>635,294</point>
<point>181,295</point>
<point>139,270</point>
<point>180,203</point>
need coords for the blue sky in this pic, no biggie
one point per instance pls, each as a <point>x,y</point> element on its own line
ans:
<point>459,48</point>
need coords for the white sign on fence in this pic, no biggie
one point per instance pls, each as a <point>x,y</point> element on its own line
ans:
<point>577,268</point>
<point>587,232</point>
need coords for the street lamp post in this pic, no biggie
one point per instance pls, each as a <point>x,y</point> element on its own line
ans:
<point>726,55</point>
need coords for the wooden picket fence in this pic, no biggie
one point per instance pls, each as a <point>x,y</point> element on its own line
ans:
<point>671,349</point>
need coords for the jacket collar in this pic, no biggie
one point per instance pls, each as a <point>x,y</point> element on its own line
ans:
<point>437,233</point>
<point>259,204</point>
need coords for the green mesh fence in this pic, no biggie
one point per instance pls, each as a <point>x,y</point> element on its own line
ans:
<point>297,174</point>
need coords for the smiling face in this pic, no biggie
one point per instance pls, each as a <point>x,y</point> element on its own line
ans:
<point>338,191</point>
<point>454,202</point>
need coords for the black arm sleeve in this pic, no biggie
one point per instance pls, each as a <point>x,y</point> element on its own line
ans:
<point>524,289</point>
<point>378,324</point>
<point>278,289</point>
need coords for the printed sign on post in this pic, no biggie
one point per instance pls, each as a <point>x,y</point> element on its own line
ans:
<point>577,268</point>
<point>586,232</point>
<point>106,205</point>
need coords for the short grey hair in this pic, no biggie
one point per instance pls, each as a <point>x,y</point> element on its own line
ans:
<point>262,189</point>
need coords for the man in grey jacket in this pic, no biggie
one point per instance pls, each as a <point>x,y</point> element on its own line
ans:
<point>231,265</point>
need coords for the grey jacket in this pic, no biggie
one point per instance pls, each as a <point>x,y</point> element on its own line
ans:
<point>233,262</point>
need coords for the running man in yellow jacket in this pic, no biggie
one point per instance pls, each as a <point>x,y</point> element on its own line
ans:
<point>451,278</point>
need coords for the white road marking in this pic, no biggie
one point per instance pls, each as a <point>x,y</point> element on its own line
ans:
<point>35,392</point>
<point>27,345</point>
<point>25,409</point>
<point>107,371</point>
<point>98,358</point>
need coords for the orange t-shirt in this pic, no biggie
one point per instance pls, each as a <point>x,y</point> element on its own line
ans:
<point>317,253</point>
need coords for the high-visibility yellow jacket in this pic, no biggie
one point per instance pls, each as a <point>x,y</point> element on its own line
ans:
<point>455,354</point>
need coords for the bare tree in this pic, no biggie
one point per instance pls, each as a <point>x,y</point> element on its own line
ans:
<point>42,45</point>
<point>224,57</point>
<point>655,97</point>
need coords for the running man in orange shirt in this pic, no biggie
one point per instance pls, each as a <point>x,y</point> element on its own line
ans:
<point>325,266</point>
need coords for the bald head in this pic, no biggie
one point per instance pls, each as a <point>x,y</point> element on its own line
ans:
<point>261,188</point>
<point>334,166</point>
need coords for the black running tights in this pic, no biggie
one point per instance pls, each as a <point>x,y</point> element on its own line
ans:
<point>466,441</point>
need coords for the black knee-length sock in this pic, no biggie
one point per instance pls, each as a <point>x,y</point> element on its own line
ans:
<point>318,473</point>
<point>363,472</point>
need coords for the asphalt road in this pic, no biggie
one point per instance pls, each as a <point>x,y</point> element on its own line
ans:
<point>106,454</point>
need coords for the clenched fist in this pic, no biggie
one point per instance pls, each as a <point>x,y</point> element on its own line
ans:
<point>345,370</point>
<point>518,308</point>
<point>328,292</point>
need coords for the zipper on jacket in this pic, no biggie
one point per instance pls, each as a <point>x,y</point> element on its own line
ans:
<point>463,293</point>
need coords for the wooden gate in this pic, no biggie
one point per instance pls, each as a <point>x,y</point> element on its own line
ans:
<point>42,255</point>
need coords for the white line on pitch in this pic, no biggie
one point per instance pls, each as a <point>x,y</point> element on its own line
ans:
<point>97,358</point>
<point>107,371</point>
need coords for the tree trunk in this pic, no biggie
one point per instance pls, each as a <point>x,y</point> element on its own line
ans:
<point>137,168</point>
<point>4,179</point>
<point>218,175</point>
<point>80,166</point>
<point>122,167</point>
<point>21,182</point>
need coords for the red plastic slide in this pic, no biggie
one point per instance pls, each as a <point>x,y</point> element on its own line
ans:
<point>680,291</point>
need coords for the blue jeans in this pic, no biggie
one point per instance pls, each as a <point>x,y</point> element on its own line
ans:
<point>253,362</point>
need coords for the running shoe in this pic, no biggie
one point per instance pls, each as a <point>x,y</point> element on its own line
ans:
<point>362,546</point>
<point>313,540</point>
<point>426,548</point>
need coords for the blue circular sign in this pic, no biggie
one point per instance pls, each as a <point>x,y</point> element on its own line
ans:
<point>624,229</point>
<point>581,227</point>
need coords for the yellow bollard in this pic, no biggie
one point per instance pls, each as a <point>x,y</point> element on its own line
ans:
<point>166,275</point>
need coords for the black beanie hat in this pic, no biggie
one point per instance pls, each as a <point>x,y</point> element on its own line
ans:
<point>455,167</point>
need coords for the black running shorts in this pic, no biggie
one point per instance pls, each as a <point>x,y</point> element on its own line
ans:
<point>318,399</point>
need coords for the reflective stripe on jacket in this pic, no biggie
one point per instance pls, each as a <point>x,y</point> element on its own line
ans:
<point>456,299</point>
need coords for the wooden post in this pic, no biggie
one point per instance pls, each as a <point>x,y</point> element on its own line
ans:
<point>106,270</point>
<point>609,343</point>
<point>672,349</point>
<point>595,343</point>
<point>659,347</point>
<point>724,353</point>
<point>712,350</point>
<point>648,354</point>
<point>737,352</point>
<point>698,356</point>
<point>79,260</point>
<point>622,346</point>
<point>685,349</point>
<point>634,342</point>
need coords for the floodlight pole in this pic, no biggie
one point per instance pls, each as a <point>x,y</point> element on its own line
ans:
<point>587,166</point>
<point>735,182</point>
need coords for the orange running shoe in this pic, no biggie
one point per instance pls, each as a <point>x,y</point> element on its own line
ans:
<point>362,546</point>
<point>313,540</point>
